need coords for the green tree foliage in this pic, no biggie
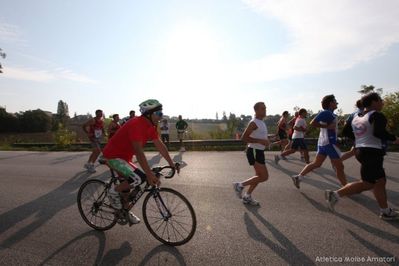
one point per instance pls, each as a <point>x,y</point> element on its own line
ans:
<point>35,121</point>
<point>364,89</point>
<point>391,111</point>
<point>8,122</point>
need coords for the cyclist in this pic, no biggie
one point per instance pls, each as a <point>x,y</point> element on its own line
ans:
<point>129,142</point>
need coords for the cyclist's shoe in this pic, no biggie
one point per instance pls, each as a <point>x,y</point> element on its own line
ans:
<point>115,199</point>
<point>391,215</point>
<point>331,199</point>
<point>247,199</point>
<point>238,188</point>
<point>276,159</point>
<point>133,219</point>
<point>296,181</point>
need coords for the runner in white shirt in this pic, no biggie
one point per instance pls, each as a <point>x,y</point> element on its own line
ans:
<point>298,138</point>
<point>256,137</point>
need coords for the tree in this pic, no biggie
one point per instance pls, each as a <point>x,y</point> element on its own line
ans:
<point>224,118</point>
<point>35,121</point>
<point>62,109</point>
<point>391,111</point>
<point>8,122</point>
<point>369,88</point>
<point>217,116</point>
<point>2,54</point>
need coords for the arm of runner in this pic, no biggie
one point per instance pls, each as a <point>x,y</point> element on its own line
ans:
<point>140,156</point>
<point>163,151</point>
<point>246,138</point>
<point>86,125</point>
<point>380,123</point>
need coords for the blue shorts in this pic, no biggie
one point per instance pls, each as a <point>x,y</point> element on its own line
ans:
<point>329,150</point>
<point>299,144</point>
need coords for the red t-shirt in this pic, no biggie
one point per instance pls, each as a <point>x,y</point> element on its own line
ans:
<point>137,129</point>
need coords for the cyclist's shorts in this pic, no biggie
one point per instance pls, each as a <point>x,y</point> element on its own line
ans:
<point>95,144</point>
<point>329,150</point>
<point>127,170</point>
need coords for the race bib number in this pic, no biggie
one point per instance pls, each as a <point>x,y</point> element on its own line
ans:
<point>98,133</point>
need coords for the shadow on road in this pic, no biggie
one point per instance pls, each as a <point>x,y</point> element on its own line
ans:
<point>368,228</point>
<point>24,155</point>
<point>285,249</point>
<point>373,248</point>
<point>163,255</point>
<point>68,158</point>
<point>101,246</point>
<point>42,208</point>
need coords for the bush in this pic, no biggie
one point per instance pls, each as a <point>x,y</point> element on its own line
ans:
<point>64,137</point>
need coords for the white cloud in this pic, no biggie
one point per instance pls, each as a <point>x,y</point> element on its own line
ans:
<point>11,33</point>
<point>325,36</point>
<point>29,74</point>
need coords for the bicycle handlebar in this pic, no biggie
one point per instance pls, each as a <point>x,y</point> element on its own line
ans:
<point>158,171</point>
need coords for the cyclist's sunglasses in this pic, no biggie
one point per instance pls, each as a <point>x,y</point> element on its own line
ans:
<point>158,113</point>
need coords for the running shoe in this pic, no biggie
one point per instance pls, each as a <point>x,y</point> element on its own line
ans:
<point>249,200</point>
<point>392,215</point>
<point>296,181</point>
<point>276,159</point>
<point>87,166</point>
<point>91,169</point>
<point>133,219</point>
<point>238,188</point>
<point>331,199</point>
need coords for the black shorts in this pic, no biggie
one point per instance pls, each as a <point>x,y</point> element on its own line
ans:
<point>371,161</point>
<point>254,155</point>
<point>165,137</point>
<point>299,144</point>
<point>282,134</point>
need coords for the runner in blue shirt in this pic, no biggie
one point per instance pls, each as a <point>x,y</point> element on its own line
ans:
<point>326,120</point>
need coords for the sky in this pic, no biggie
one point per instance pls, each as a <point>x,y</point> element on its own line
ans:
<point>196,57</point>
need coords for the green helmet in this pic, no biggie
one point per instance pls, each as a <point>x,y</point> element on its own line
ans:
<point>150,106</point>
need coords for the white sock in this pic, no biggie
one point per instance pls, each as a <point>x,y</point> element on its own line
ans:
<point>336,194</point>
<point>386,210</point>
<point>247,195</point>
<point>301,177</point>
<point>240,185</point>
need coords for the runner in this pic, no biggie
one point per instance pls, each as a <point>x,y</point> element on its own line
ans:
<point>282,132</point>
<point>256,137</point>
<point>326,120</point>
<point>94,128</point>
<point>165,132</point>
<point>348,126</point>
<point>369,130</point>
<point>298,138</point>
<point>113,126</point>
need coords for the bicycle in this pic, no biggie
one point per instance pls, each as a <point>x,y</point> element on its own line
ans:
<point>167,214</point>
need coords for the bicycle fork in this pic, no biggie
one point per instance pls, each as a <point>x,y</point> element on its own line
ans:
<point>161,207</point>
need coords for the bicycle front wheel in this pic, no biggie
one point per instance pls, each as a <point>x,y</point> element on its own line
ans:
<point>169,216</point>
<point>94,205</point>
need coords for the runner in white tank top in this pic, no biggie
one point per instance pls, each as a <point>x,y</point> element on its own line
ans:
<point>256,137</point>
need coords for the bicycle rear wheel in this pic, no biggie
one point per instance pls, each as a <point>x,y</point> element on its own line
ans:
<point>169,217</point>
<point>94,205</point>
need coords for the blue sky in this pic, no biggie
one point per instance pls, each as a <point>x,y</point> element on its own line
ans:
<point>196,57</point>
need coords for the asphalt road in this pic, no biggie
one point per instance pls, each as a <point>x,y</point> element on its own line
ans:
<point>40,222</point>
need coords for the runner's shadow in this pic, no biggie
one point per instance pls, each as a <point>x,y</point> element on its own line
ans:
<point>285,249</point>
<point>368,228</point>
<point>163,255</point>
<point>101,246</point>
<point>68,158</point>
<point>114,256</point>
<point>179,159</point>
<point>155,160</point>
<point>373,248</point>
<point>43,209</point>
